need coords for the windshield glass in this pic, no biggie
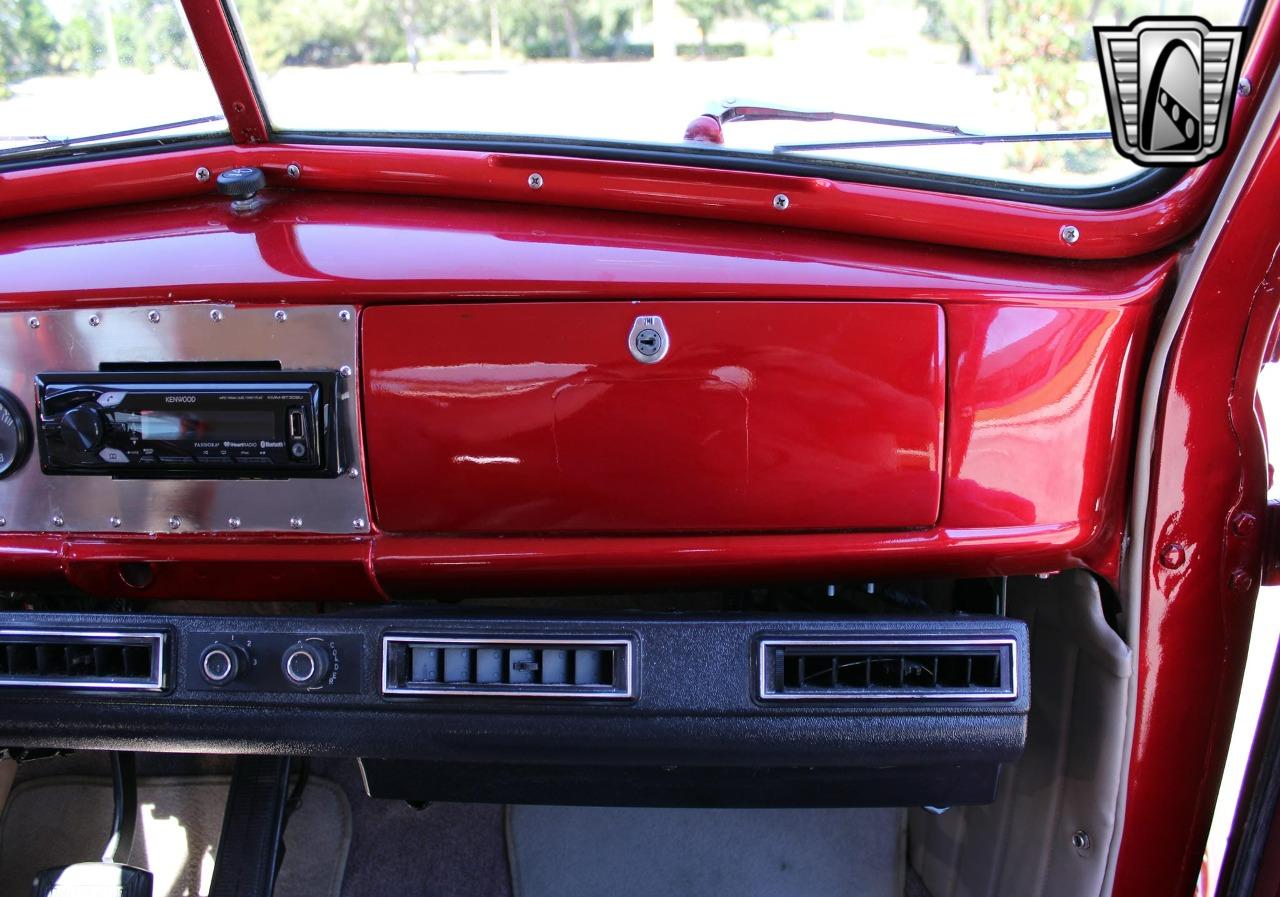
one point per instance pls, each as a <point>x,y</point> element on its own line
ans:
<point>76,69</point>
<point>637,72</point>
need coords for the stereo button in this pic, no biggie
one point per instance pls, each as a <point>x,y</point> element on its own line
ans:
<point>113,456</point>
<point>83,428</point>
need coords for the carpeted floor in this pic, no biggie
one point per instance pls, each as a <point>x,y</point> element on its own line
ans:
<point>461,850</point>
<point>643,852</point>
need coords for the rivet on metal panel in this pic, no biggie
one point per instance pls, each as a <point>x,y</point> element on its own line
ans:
<point>295,523</point>
<point>216,315</point>
<point>175,522</point>
<point>281,315</point>
<point>1245,87</point>
<point>358,523</point>
<point>58,521</point>
<point>115,522</point>
<point>33,322</point>
<point>353,473</point>
<point>153,316</point>
<point>1172,556</point>
<point>344,315</point>
<point>233,522</point>
<point>94,320</point>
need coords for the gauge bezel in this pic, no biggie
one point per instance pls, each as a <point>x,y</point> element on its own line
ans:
<point>22,426</point>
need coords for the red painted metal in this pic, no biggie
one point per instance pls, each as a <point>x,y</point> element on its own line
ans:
<point>1210,468</point>
<point>1042,358</point>
<point>231,79</point>
<point>344,248</point>
<point>246,568</point>
<point>814,203</point>
<point>535,417</point>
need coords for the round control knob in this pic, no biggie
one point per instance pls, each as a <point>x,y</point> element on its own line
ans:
<point>306,664</point>
<point>83,427</point>
<point>221,664</point>
<point>241,183</point>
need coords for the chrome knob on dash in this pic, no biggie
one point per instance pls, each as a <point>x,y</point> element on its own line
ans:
<point>221,664</point>
<point>306,664</point>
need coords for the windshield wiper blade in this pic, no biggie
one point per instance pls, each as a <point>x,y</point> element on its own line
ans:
<point>1032,137</point>
<point>728,111</point>
<point>109,135</point>
<point>706,128</point>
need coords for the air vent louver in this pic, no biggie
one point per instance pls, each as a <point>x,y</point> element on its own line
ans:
<point>943,670</point>
<point>120,661</point>
<point>422,665</point>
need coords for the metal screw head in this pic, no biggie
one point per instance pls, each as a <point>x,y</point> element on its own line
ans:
<point>358,523</point>
<point>216,315</point>
<point>1245,87</point>
<point>345,370</point>
<point>344,315</point>
<point>1240,581</point>
<point>175,522</point>
<point>233,522</point>
<point>1243,524</point>
<point>153,316</point>
<point>535,181</point>
<point>94,320</point>
<point>353,473</point>
<point>295,523</point>
<point>3,522</point>
<point>114,521</point>
<point>202,174</point>
<point>781,201</point>
<point>58,521</point>
<point>33,323</point>
<point>1069,233</point>
<point>294,170</point>
<point>1081,841</point>
<point>1172,556</point>
<point>281,315</point>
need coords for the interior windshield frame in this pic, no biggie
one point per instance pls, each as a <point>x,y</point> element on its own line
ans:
<point>1143,186</point>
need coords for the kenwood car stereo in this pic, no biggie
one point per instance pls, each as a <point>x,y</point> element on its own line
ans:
<point>188,423</point>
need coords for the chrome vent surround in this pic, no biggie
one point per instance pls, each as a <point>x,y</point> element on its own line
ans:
<point>82,659</point>
<point>536,668</point>
<point>888,669</point>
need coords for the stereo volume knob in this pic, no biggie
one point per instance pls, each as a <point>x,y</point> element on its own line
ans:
<point>306,664</point>
<point>84,427</point>
<point>222,664</point>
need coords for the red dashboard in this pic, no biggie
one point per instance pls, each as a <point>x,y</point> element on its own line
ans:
<point>986,396</point>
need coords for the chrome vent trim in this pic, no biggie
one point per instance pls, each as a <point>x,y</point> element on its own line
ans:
<point>398,678</point>
<point>23,653</point>
<point>773,687</point>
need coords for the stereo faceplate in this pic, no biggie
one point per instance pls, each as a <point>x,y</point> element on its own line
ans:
<point>298,338</point>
